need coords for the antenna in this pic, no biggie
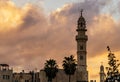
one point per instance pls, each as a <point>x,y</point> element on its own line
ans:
<point>101,63</point>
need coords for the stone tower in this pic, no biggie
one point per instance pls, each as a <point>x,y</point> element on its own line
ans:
<point>81,38</point>
<point>102,73</point>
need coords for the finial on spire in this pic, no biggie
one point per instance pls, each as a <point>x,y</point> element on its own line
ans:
<point>101,63</point>
<point>81,11</point>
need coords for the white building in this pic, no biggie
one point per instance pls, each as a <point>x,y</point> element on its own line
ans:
<point>5,73</point>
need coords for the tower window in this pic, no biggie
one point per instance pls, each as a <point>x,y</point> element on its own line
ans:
<point>81,24</point>
<point>26,80</point>
<point>6,77</point>
<point>81,47</point>
<point>16,80</point>
<point>81,57</point>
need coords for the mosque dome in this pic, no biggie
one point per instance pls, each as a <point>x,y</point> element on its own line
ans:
<point>101,67</point>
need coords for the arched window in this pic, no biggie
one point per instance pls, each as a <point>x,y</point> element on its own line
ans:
<point>81,24</point>
<point>81,47</point>
<point>81,57</point>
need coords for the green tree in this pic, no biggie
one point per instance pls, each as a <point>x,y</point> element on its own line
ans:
<point>69,65</point>
<point>51,69</point>
<point>112,69</point>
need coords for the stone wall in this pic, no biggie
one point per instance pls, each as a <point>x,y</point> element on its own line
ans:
<point>60,77</point>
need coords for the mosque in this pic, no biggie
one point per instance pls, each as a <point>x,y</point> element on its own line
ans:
<point>81,74</point>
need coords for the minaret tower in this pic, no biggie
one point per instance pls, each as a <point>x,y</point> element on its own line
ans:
<point>102,74</point>
<point>81,38</point>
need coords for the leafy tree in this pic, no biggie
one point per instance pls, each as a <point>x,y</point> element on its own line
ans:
<point>112,69</point>
<point>51,69</point>
<point>69,66</point>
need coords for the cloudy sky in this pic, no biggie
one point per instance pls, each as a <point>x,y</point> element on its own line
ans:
<point>32,31</point>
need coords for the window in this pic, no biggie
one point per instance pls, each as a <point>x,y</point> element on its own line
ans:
<point>26,80</point>
<point>3,76</point>
<point>81,47</point>
<point>81,57</point>
<point>16,80</point>
<point>6,77</point>
<point>81,24</point>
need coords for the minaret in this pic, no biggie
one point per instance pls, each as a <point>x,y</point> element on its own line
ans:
<point>102,74</point>
<point>81,38</point>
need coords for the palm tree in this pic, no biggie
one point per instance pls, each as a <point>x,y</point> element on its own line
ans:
<point>69,66</point>
<point>51,69</point>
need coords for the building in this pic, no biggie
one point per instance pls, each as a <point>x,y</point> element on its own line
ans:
<point>81,38</point>
<point>92,80</point>
<point>22,77</point>
<point>5,73</point>
<point>60,77</point>
<point>81,74</point>
<point>26,77</point>
<point>102,74</point>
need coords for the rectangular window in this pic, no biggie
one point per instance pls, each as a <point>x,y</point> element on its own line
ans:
<point>16,80</point>
<point>6,77</point>
<point>26,80</point>
<point>81,57</point>
<point>81,47</point>
<point>3,76</point>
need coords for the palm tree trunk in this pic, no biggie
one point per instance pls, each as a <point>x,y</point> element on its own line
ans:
<point>69,77</point>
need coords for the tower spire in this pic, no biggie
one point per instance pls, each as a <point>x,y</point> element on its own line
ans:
<point>81,11</point>
<point>102,73</point>
<point>101,63</point>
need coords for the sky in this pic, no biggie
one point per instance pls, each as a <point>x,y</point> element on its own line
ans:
<point>32,31</point>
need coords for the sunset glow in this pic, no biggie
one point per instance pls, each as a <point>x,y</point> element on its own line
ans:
<point>29,35</point>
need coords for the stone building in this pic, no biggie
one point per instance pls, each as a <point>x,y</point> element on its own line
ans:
<point>102,74</point>
<point>5,73</point>
<point>81,38</point>
<point>26,77</point>
<point>22,77</point>
<point>60,77</point>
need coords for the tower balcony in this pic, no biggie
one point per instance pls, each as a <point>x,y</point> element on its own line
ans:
<point>81,29</point>
<point>83,38</point>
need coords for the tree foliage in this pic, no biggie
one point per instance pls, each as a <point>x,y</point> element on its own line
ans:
<point>51,69</point>
<point>69,65</point>
<point>112,69</point>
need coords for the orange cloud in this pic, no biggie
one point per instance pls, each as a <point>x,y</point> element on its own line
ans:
<point>11,16</point>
